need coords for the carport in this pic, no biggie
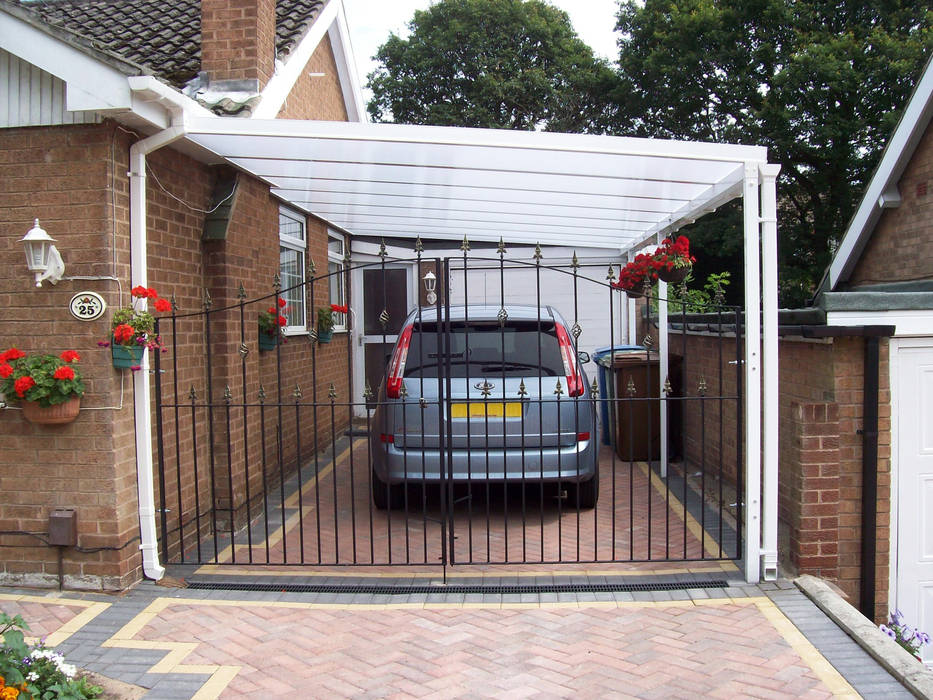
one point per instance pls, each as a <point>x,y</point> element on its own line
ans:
<point>537,188</point>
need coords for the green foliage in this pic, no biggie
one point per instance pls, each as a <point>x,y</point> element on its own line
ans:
<point>142,322</point>
<point>682,299</point>
<point>514,64</point>
<point>37,672</point>
<point>820,83</point>
<point>325,319</point>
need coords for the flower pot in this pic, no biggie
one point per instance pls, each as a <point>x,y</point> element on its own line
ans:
<point>325,336</point>
<point>268,341</point>
<point>674,275</point>
<point>52,415</point>
<point>127,356</point>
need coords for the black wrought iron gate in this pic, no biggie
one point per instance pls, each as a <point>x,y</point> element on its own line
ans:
<point>493,441</point>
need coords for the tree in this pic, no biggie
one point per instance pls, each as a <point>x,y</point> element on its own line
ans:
<point>820,83</point>
<point>514,64</point>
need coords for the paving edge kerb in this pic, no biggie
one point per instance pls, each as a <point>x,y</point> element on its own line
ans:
<point>896,660</point>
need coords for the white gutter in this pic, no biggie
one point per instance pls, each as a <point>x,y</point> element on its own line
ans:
<point>139,276</point>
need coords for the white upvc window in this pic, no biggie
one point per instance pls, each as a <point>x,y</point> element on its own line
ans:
<point>292,252</point>
<point>336,282</point>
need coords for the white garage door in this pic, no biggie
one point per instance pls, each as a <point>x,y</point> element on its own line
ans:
<point>914,387</point>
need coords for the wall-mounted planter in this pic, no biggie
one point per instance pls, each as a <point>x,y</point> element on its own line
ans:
<point>325,336</point>
<point>58,414</point>
<point>267,341</point>
<point>127,356</point>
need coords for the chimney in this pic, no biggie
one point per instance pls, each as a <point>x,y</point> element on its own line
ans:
<point>238,42</point>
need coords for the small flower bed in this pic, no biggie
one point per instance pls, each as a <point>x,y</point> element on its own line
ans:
<point>46,379</point>
<point>33,672</point>
<point>908,637</point>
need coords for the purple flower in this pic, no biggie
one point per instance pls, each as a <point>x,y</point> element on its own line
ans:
<point>135,368</point>
<point>103,344</point>
<point>888,631</point>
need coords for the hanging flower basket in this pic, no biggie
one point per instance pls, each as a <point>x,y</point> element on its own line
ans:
<point>127,356</point>
<point>58,414</point>
<point>675,275</point>
<point>632,294</point>
<point>267,341</point>
<point>325,336</point>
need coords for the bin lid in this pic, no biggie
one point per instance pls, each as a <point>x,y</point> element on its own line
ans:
<point>631,358</point>
<point>603,356</point>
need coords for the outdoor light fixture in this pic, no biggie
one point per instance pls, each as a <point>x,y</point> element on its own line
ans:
<point>430,285</point>
<point>42,257</point>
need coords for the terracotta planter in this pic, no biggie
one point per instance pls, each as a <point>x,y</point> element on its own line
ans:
<point>674,276</point>
<point>127,356</point>
<point>52,415</point>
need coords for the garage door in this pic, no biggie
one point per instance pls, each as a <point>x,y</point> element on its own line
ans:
<point>914,376</point>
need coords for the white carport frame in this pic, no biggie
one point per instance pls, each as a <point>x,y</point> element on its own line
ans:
<point>531,187</point>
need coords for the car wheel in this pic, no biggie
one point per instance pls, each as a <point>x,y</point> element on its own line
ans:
<point>587,493</point>
<point>386,496</point>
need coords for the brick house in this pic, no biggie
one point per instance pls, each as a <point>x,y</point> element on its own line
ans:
<point>84,83</point>
<point>882,276</point>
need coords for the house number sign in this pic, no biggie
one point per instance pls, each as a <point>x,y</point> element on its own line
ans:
<point>87,306</point>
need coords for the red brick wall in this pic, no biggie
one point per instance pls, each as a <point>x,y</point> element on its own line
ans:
<point>238,39</point>
<point>66,176</point>
<point>901,247</point>
<point>320,96</point>
<point>820,450</point>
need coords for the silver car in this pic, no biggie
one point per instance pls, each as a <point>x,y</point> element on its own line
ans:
<point>519,407</point>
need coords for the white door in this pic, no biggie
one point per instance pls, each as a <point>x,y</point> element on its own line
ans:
<point>914,374</point>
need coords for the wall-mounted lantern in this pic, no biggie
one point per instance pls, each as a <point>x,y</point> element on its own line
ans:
<point>430,286</point>
<point>42,257</point>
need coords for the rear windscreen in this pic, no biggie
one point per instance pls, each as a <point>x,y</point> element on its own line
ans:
<point>520,349</point>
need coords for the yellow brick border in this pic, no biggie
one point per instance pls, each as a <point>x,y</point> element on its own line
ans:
<point>222,675</point>
<point>91,610</point>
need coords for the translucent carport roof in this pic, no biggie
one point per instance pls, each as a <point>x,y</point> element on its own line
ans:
<point>445,182</point>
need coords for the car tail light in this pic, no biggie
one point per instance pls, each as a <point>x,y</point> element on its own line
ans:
<point>574,380</point>
<point>583,437</point>
<point>390,439</point>
<point>397,365</point>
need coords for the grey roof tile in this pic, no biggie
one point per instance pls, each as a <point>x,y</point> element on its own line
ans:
<point>163,36</point>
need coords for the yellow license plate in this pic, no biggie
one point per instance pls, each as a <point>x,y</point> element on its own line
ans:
<point>482,410</point>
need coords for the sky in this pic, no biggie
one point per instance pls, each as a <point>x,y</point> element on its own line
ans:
<point>371,22</point>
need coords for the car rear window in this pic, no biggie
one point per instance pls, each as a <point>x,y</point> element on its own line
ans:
<point>519,349</point>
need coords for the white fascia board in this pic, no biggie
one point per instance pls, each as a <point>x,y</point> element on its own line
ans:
<point>346,68</point>
<point>281,84</point>
<point>906,323</point>
<point>91,84</point>
<point>499,138</point>
<point>155,101</point>
<point>897,153</point>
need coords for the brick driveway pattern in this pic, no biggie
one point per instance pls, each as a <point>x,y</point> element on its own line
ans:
<point>639,519</point>
<point>674,649</point>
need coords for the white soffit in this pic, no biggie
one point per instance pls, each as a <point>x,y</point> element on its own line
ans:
<point>443,182</point>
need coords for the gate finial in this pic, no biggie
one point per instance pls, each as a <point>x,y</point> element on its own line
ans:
<point>501,249</point>
<point>193,394</point>
<point>574,262</point>
<point>262,394</point>
<point>297,393</point>
<point>630,387</point>
<point>208,302</point>
<point>702,388</point>
<point>382,249</point>
<point>537,256</point>
<point>668,389</point>
<point>419,246</point>
<point>332,393</point>
<point>558,389</point>
<point>276,283</point>
<point>611,275</point>
<point>241,293</point>
<point>367,392</point>
<point>594,389</point>
<point>228,397</point>
<point>522,391</point>
<point>312,268</point>
<point>465,246</point>
<point>174,305</point>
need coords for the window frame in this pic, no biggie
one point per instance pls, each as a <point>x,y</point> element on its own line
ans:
<point>341,321</point>
<point>299,245</point>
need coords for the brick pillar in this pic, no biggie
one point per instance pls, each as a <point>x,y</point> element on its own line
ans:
<point>811,498</point>
<point>238,40</point>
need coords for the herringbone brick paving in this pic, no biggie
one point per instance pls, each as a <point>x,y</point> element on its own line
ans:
<point>640,651</point>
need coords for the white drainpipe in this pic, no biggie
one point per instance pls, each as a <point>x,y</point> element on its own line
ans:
<point>141,394</point>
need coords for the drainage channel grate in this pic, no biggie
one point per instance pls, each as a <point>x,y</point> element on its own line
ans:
<point>493,589</point>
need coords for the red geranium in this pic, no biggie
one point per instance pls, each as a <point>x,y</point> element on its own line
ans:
<point>163,305</point>
<point>12,354</point>
<point>339,308</point>
<point>64,372</point>
<point>70,356</point>
<point>281,303</point>
<point>23,384</point>
<point>123,333</point>
<point>5,370</point>
<point>283,321</point>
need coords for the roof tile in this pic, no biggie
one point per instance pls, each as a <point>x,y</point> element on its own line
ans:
<point>163,36</point>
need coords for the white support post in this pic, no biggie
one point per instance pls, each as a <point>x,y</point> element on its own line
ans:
<point>769,283</point>
<point>664,347</point>
<point>752,377</point>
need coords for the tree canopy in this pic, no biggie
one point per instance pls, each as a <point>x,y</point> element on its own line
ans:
<point>820,83</point>
<point>515,64</point>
